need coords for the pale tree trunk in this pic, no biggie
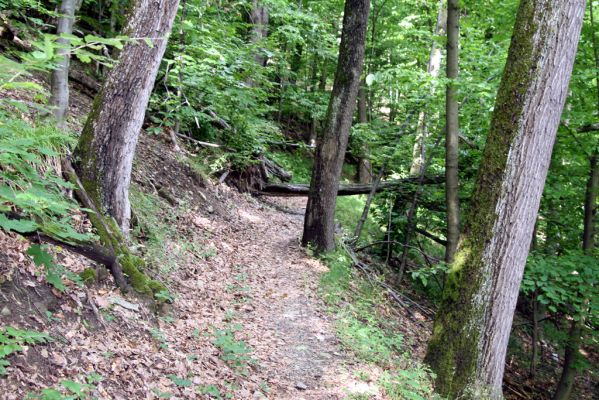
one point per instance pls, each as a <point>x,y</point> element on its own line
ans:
<point>319,222</point>
<point>259,21</point>
<point>59,80</point>
<point>572,351</point>
<point>471,331</point>
<point>452,131</point>
<point>434,66</point>
<point>107,144</point>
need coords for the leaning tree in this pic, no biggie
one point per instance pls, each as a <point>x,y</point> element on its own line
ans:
<point>470,335</point>
<point>104,155</point>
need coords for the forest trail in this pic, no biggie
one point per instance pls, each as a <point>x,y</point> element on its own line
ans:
<point>272,286</point>
<point>247,321</point>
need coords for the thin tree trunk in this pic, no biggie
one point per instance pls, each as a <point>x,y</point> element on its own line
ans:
<point>364,165</point>
<point>107,144</point>
<point>452,132</point>
<point>319,227</point>
<point>259,21</point>
<point>572,352</point>
<point>59,80</point>
<point>470,335</point>
<point>362,220</point>
<point>566,382</point>
<point>434,66</point>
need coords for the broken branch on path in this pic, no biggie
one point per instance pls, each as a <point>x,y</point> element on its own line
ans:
<point>302,189</point>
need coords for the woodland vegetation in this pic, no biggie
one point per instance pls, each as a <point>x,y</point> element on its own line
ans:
<point>447,150</point>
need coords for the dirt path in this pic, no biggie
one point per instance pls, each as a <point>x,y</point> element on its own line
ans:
<point>241,282</point>
<point>293,338</point>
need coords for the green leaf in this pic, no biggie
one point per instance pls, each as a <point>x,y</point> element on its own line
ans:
<point>17,225</point>
<point>180,381</point>
<point>40,256</point>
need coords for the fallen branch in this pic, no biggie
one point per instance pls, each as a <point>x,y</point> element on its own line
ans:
<point>203,144</point>
<point>398,297</point>
<point>302,189</point>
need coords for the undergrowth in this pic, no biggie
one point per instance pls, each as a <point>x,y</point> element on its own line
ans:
<point>366,330</point>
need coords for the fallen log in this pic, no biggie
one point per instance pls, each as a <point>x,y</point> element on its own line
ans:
<point>302,189</point>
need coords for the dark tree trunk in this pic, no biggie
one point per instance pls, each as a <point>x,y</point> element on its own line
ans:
<point>59,80</point>
<point>319,227</point>
<point>572,353</point>
<point>566,382</point>
<point>364,165</point>
<point>470,335</point>
<point>107,144</point>
<point>452,131</point>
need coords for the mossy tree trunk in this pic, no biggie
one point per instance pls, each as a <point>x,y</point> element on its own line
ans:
<point>470,334</point>
<point>319,227</point>
<point>452,131</point>
<point>104,154</point>
<point>59,80</point>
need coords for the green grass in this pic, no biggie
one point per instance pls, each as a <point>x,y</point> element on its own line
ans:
<point>367,331</point>
<point>349,210</point>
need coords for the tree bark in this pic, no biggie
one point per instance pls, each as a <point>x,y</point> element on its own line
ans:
<point>107,144</point>
<point>364,165</point>
<point>302,189</point>
<point>433,68</point>
<point>452,131</point>
<point>319,227</point>
<point>259,21</point>
<point>59,80</point>
<point>566,382</point>
<point>470,334</point>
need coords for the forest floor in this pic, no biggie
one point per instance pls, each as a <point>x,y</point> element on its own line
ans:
<point>248,319</point>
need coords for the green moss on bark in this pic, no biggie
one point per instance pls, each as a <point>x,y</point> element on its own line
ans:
<point>455,344</point>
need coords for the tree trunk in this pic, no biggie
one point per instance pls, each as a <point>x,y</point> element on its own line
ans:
<point>452,131</point>
<point>434,66</point>
<point>470,335</point>
<point>59,80</point>
<point>572,353</point>
<point>400,186</point>
<point>566,382</point>
<point>107,144</point>
<point>364,165</point>
<point>319,228</point>
<point>259,21</point>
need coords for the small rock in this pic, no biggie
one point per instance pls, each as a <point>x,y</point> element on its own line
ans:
<point>210,209</point>
<point>5,312</point>
<point>301,386</point>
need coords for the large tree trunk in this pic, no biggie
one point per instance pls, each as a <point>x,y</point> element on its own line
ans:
<point>59,80</point>
<point>319,227</point>
<point>434,66</point>
<point>452,131</point>
<point>107,144</point>
<point>470,335</point>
